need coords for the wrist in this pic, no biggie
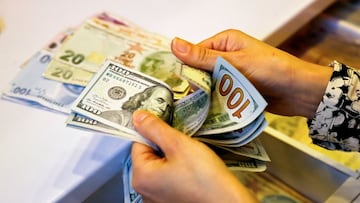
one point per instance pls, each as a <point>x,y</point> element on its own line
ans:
<point>228,188</point>
<point>312,80</point>
<point>239,193</point>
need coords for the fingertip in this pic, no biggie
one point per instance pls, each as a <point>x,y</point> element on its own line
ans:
<point>139,116</point>
<point>147,124</point>
<point>180,46</point>
<point>194,55</point>
<point>155,130</point>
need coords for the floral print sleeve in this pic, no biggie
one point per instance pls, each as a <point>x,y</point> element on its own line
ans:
<point>336,124</point>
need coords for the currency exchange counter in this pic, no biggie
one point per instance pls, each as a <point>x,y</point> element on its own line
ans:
<point>44,161</point>
<point>298,167</point>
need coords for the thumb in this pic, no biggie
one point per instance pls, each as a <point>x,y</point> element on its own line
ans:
<point>157,131</point>
<point>194,55</point>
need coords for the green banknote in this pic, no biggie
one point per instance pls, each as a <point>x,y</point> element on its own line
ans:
<point>85,123</point>
<point>117,91</point>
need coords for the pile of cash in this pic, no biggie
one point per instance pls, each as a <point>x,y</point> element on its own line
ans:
<point>99,72</point>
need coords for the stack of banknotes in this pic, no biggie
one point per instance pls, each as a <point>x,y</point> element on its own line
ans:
<point>99,72</point>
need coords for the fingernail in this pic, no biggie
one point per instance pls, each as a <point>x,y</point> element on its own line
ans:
<point>180,45</point>
<point>139,116</point>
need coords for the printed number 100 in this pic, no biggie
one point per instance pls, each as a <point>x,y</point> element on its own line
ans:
<point>233,102</point>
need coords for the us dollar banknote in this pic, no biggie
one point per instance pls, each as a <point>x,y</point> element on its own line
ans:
<point>130,195</point>
<point>235,102</point>
<point>85,123</point>
<point>236,138</point>
<point>116,92</point>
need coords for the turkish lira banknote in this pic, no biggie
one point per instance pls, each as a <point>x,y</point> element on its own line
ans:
<point>82,54</point>
<point>31,88</point>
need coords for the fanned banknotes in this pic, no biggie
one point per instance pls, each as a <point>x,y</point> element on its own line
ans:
<point>97,71</point>
<point>31,88</point>
<point>116,91</point>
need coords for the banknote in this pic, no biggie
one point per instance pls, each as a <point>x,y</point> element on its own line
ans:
<point>250,164</point>
<point>235,102</point>
<point>87,47</point>
<point>92,44</point>
<point>82,54</point>
<point>255,134</point>
<point>116,92</point>
<point>239,162</point>
<point>85,123</point>
<point>122,26</point>
<point>99,38</point>
<point>237,136</point>
<point>191,112</point>
<point>65,73</point>
<point>130,195</point>
<point>111,19</point>
<point>235,143</point>
<point>64,70</point>
<point>53,45</point>
<point>56,42</point>
<point>253,149</point>
<point>164,66</point>
<point>31,88</point>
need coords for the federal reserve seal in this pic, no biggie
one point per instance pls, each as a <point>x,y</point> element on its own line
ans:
<point>116,92</point>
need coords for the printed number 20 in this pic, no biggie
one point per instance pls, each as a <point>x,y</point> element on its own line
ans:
<point>225,87</point>
<point>60,73</point>
<point>72,57</point>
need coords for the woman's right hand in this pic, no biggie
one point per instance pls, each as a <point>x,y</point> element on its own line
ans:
<point>187,170</point>
<point>290,85</point>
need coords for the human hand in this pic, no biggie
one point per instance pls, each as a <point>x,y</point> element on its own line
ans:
<point>290,85</point>
<point>188,171</point>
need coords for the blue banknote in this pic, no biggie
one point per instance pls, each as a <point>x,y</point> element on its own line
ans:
<point>31,88</point>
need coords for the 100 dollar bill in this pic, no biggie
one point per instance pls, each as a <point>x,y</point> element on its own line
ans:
<point>235,102</point>
<point>238,137</point>
<point>80,121</point>
<point>116,92</point>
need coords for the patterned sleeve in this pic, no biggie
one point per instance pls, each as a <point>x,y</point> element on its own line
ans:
<point>336,124</point>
